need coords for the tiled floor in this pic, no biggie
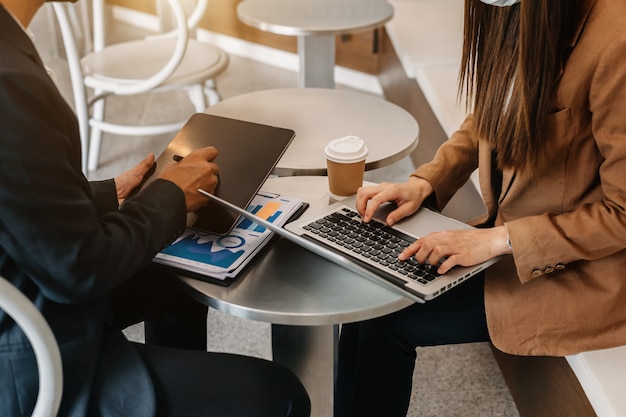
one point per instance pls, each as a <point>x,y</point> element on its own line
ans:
<point>449,381</point>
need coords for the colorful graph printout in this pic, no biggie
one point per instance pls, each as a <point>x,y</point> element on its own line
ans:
<point>223,256</point>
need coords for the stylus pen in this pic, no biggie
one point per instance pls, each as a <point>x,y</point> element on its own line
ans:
<point>324,253</point>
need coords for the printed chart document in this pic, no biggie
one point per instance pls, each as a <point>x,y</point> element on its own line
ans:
<point>218,258</point>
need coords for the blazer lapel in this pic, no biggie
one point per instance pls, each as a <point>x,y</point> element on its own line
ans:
<point>495,184</point>
<point>488,179</point>
<point>14,35</point>
<point>508,175</point>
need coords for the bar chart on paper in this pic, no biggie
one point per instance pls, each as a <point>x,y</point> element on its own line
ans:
<point>222,256</point>
<point>270,212</point>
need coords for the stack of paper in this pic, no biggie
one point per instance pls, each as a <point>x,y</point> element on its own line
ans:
<point>222,256</point>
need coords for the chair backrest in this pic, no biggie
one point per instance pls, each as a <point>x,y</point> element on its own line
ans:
<point>26,315</point>
<point>68,33</point>
<point>196,14</point>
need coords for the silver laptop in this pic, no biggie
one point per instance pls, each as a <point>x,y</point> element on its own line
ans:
<point>337,233</point>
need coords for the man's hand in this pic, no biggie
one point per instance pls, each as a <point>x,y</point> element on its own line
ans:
<point>194,171</point>
<point>126,182</point>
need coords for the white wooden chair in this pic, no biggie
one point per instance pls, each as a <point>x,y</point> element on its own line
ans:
<point>26,315</point>
<point>168,61</point>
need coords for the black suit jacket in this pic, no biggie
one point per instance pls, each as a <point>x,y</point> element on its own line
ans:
<point>65,244</point>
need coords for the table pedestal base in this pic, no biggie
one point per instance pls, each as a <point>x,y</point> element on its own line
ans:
<point>310,352</point>
<point>317,61</point>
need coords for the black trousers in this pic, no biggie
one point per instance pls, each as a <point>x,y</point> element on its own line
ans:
<point>189,381</point>
<point>171,318</point>
<point>377,357</point>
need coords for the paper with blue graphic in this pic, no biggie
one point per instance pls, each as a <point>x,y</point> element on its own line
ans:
<point>222,256</point>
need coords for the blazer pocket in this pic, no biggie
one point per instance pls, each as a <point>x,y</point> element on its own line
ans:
<point>558,116</point>
<point>558,136</point>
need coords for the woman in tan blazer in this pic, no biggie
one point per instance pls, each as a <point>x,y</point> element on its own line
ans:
<point>546,81</point>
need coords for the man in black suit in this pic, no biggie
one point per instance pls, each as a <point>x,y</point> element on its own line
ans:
<point>81,258</point>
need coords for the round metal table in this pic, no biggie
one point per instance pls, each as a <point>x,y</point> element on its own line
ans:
<point>315,23</point>
<point>304,296</point>
<point>318,115</point>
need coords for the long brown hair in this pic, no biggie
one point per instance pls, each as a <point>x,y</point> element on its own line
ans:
<point>511,63</point>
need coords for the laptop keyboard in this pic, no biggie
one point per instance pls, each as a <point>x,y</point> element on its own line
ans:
<point>373,243</point>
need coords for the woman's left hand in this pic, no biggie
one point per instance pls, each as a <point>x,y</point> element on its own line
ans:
<point>127,181</point>
<point>459,247</point>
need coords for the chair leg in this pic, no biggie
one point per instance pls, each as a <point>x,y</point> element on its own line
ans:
<point>53,32</point>
<point>210,90</point>
<point>82,114</point>
<point>76,78</point>
<point>95,139</point>
<point>197,97</point>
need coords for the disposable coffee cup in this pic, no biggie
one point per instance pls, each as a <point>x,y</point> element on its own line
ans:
<point>345,160</point>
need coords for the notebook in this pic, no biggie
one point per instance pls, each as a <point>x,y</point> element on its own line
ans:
<point>419,287</point>
<point>248,152</point>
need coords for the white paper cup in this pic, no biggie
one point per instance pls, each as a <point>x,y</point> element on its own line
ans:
<point>345,160</point>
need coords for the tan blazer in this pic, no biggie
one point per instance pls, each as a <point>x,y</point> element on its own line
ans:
<point>564,289</point>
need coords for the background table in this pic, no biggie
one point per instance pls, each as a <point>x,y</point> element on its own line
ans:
<point>315,23</point>
<point>318,115</point>
<point>304,296</point>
